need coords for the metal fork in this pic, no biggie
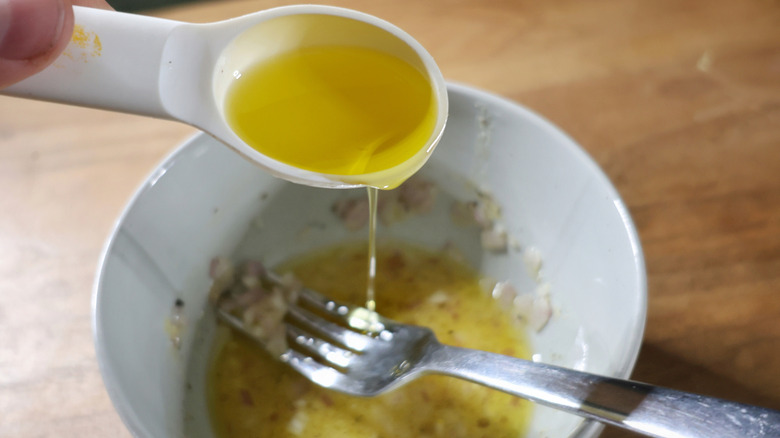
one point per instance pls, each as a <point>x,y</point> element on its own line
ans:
<point>355,351</point>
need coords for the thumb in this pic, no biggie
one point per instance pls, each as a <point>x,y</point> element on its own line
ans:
<point>30,28</point>
<point>32,32</point>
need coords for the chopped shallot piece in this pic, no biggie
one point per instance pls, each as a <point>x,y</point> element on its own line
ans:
<point>438,297</point>
<point>258,298</point>
<point>254,268</point>
<point>494,239</point>
<point>417,195</point>
<point>297,423</point>
<point>250,297</point>
<point>266,312</point>
<point>533,262</point>
<point>534,308</point>
<point>252,273</point>
<point>291,285</point>
<point>451,250</point>
<point>542,309</point>
<point>486,211</point>
<point>276,344</point>
<point>250,281</point>
<point>220,266</point>
<point>222,272</point>
<point>523,305</point>
<point>390,209</point>
<point>353,212</point>
<point>504,293</point>
<point>462,213</point>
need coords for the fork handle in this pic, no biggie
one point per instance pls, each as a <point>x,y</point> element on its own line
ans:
<point>650,410</point>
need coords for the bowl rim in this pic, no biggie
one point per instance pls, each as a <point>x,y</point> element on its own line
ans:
<point>588,428</point>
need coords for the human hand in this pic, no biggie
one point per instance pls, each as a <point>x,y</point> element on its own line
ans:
<point>33,33</point>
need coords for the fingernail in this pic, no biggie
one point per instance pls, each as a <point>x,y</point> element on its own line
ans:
<point>29,28</point>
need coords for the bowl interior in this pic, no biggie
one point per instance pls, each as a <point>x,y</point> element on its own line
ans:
<point>205,201</point>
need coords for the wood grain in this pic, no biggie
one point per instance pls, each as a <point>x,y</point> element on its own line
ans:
<point>679,102</point>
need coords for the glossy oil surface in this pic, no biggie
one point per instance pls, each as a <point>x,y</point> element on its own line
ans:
<point>335,110</point>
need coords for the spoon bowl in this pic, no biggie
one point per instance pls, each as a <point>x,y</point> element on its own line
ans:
<point>182,71</point>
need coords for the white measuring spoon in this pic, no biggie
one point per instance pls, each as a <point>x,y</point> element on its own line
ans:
<point>181,71</point>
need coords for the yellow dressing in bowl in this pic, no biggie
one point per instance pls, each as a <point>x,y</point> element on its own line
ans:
<point>253,395</point>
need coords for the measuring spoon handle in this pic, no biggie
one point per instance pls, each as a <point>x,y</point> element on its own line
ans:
<point>113,62</point>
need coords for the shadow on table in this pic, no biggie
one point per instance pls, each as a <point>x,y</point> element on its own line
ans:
<point>658,367</point>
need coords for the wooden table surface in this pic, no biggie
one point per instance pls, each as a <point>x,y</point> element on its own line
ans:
<point>678,101</point>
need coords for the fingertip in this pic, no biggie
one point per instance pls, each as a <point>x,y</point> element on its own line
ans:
<point>13,69</point>
<point>33,28</point>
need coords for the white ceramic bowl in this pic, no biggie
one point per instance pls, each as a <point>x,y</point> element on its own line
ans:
<point>204,200</point>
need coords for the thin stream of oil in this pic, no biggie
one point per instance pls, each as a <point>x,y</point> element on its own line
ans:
<point>373,194</point>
